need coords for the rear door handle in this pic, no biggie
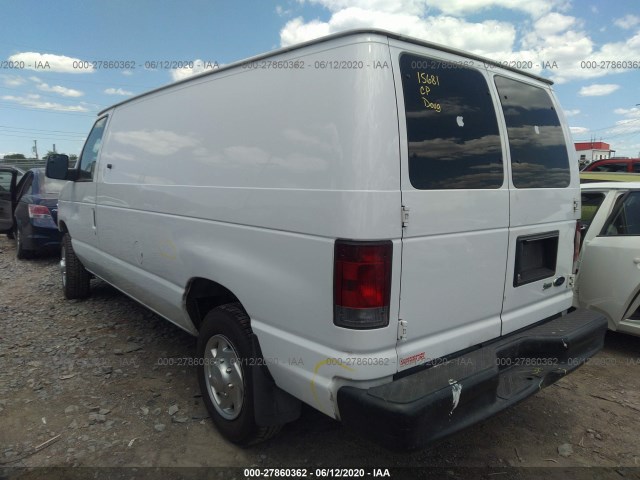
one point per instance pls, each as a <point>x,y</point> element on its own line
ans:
<point>636,260</point>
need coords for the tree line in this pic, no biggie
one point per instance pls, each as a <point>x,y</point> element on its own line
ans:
<point>20,156</point>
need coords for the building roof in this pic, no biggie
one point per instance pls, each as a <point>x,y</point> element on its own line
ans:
<point>592,146</point>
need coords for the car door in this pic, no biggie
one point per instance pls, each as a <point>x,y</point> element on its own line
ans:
<point>609,276</point>
<point>20,208</point>
<point>8,177</point>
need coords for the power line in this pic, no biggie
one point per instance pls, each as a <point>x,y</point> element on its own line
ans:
<point>42,133</point>
<point>38,130</point>
<point>111,84</point>
<point>615,135</point>
<point>47,139</point>
<point>618,135</point>
<point>44,110</point>
<point>623,122</point>
<point>58,98</point>
<point>64,139</point>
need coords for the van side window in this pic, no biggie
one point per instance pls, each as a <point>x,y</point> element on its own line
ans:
<point>452,130</point>
<point>89,156</point>
<point>538,150</point>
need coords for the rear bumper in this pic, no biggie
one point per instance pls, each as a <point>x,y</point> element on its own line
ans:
<point>40,238</point>
<point>432,403</point>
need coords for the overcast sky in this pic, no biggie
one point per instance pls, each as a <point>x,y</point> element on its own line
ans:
<point>591,49</point>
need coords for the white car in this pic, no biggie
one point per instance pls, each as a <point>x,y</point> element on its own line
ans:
<point>608,277</point>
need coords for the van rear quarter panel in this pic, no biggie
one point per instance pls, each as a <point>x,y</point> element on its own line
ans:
<point>246,177</point>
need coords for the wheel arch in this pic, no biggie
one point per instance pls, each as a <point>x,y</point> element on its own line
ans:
<point>274,406</point>
<point>203,295</point>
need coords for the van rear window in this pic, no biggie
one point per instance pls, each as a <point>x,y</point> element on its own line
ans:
<point>538,150</point>
<point>452,131</point>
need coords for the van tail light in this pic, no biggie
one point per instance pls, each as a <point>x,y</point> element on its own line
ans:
<point>577,241</point>
<point>362,284</point>
<point>41,216</point>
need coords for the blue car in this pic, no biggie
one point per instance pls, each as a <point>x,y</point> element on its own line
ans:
<point>36,213</point>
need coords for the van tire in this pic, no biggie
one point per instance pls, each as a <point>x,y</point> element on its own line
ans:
<point>227,328</point>
<point>75,278</point>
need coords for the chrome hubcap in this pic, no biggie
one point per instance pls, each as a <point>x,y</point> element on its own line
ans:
<point>63,267</point>
<point>223,374</point>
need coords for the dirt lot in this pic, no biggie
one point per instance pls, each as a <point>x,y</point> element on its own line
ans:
<point>86,377</point>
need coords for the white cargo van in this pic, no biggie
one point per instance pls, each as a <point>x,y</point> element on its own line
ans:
<point>374,225</point>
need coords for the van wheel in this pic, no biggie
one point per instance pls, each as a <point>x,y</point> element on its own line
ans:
<point>75,278</point>
<point>21,253</point>
<point>225,375</point>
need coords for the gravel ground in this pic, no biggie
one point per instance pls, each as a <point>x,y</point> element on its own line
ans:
<point>83,383</point>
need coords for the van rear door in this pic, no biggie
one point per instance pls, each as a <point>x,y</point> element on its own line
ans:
<point>544,203</point>
<point>454,186</point>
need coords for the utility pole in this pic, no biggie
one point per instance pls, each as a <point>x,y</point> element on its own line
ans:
<point>35,148</point>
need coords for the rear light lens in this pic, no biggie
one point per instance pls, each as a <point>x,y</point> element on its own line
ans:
<point>41,216</point>
<point>38,211</point>
<point>362,284</point>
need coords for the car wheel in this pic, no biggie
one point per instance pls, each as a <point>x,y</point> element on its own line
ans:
<point>75,278</point>
<point>21,253</point>
<point>225,375</point>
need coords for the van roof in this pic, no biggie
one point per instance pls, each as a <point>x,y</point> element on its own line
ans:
<point>346,33</point>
